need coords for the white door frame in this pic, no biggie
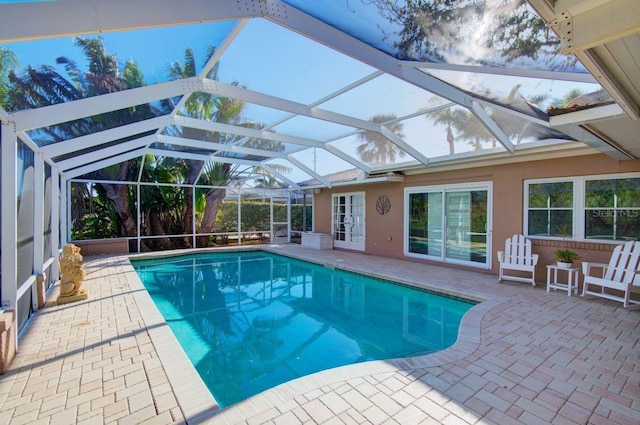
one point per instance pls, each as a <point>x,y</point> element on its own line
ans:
<point>344,222</point>
<point>444,190</point>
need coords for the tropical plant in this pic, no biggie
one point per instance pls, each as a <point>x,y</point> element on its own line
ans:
<point>375,148</point>
<point>92,215</point>
<point>565,256</point>
<point>161,204</point>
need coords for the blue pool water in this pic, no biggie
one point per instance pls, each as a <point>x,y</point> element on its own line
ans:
<point>252,320</point>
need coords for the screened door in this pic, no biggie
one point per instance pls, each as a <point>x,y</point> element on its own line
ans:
<point>280,219</point>
<point>348,221</point>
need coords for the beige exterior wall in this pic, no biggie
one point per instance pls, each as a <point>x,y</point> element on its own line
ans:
<point>384,233</point>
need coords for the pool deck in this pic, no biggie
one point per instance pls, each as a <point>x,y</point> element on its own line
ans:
<point>524,356</point>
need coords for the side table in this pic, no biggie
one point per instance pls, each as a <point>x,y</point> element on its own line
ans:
<point>572,279</point>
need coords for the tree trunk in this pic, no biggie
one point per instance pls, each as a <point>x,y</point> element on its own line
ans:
<point>117,194</point>
<point>194,168</point>
<point>213,198</point>
<point>157,229</point>
<point>450,140</point>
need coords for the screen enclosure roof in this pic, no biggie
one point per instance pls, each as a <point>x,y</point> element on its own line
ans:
<point>299,90</point>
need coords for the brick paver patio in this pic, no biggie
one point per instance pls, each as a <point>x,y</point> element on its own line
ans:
<point>524,356</point>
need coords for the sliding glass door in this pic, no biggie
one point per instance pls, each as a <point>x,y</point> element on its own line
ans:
<point>448,224</point>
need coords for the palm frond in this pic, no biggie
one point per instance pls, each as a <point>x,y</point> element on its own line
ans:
<point>100,62</point>
<point>132,75</point>
<point>189,64</point>
<point>74,73</point>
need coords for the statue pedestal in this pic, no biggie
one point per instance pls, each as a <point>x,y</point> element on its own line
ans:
<point>82,295</point>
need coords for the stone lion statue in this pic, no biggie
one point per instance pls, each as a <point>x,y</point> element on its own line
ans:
<point>72,275</point>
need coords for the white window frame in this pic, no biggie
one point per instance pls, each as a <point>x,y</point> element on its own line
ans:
<point>484,185</point>
<point>575,226</point>
<point>579,186</point>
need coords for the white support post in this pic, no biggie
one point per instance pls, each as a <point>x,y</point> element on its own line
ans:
<point>313,211</point>
<point>64,208</point>
<point>289,218</point>
<point>193,217</point>
<point>55,222</point>
<point>138,212</point>
<point>272,234</point>
<point>304,210</point>
<point>38,223</point>
<point>239,217</point>
<point>9,239</point>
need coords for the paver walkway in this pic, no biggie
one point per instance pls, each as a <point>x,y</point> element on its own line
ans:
<point>524,356</point>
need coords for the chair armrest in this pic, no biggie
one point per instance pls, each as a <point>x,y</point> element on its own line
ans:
<point>535,259</point>
<point>500,256</point>
<point>586,268</point>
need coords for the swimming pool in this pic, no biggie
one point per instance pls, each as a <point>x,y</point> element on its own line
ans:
<point>249,321</point>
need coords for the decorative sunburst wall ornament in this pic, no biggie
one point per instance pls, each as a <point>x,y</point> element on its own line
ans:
<point>383,204</point>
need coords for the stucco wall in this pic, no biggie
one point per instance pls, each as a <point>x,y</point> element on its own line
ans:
<point>322,211</point>
<point>384,233</point>
<point>107,246</point>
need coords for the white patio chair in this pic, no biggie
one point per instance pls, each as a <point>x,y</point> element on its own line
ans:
<point>621,275</point>
<point>517,256</point>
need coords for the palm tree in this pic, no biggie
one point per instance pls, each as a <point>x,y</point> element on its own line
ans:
<point>8,61</point>
<point>375,148</point>
<point>452,119</point>
<point>43,85</point>
<point>472,130</point>
<point>225,110</point>
<point>267,182</point>
<point>567,98</point>
<point>203,106</point>
<point>213,174</point>
<point>516,128</point>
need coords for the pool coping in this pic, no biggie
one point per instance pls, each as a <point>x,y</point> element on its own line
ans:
<point>193,396</point>
<point>196,401</point>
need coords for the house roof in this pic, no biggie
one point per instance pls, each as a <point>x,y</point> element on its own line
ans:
<point>320,80</point>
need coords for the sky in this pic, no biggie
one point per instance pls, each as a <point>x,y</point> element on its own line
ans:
<point>152,49</point>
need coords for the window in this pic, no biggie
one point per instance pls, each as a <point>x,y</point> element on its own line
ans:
<point>612,209</point>
<point>550,211</point>
<point>581,208</point>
